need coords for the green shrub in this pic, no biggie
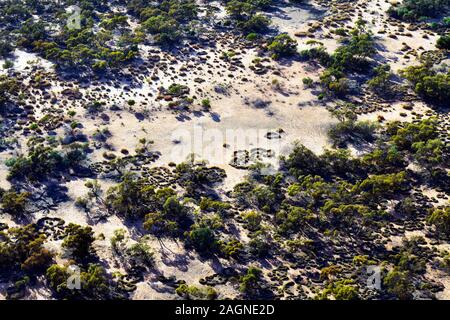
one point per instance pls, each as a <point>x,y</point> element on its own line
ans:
<point>250,281</point>
<point>340,290</point>
<point>399,284</point>
<point>15,203</point>
<point>440,218</point>
<point>252,220</point>
<point>170,220</point>
<point>355,132</point>
<point>206,104</point>
<point>428,83</point>
<point>252,36</point>
<point>405,135</point>
<point>210,205</point>
<point>230,248</point>
<point>94,283</point>
<point>257,23</point>
<point>307,82</point>
<point>348,130</point>
<point>443,42</point>
<point>413,10</point>
<point>5,49</point>
<point>203,238</point>
<point>166,30</point>
<point>259,246</point>
<point>302,161</point>
<point>21,249</point>
<point>78,241</point>
<point>196,293</point>
<point>380,186</point>
<point>282,45</point>
<point>381,83</point>
<point>240,10</point>
<point>430,153</point>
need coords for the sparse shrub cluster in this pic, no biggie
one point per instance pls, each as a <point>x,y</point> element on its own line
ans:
<point>165,21</point>
<point>413,10</point>
<point>282,45</point>
<point>352,56</point>
<point>44,161</point>
<point>429,83</point>
<point>244,13</point>
<point>22,250</point>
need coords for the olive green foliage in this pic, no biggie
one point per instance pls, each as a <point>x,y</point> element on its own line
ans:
<point>429,153</point>
<point>252,220</point>
<point>203,238</point>
<point>239,10</point>
<point>375,178</point>
<point>135,198</point>
<point>443,42</point>
<point>196,293</point>
<point>340,290</point>
<point>83,47</point>
<point>21,249</point>
<point>412,10</point>
<point>259,245</point>
<point>382,186</point>
<point>411,258</point>
<point>94,283</point>
<point>352,56</point>
<point>318,53</point>
<point>398,283</point>
<point>307,82</point>
<point>428,82</point>
<point>257,23</point>
<point>381,83</point>
<point>210,205</point>
<point>354,53</point>
<point>141,253</point>
<point>104,39</point>
<point>440,218</point>
<point>173,218</point>
<point>421,141</point>
<point>132,198</point>
<point>250,282</point>
<point>194,177</point>
<point>384,159</point>
<point>167,20</point>
<point>292,219</point>
<point>9,88</point>
<point>405,135</point>
<point>348,130</point>
<point>282,45</point>
<point>78,241</point>
<point>302,161</point>
<point>231,248</point>
<point>244,12</point>
<point>176,89</point>
<point>14,203</point>
<point>44,161</point>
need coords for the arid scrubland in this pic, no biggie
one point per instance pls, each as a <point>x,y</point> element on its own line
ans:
<point>242,149</point>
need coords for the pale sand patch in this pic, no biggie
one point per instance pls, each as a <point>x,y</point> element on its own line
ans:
<point>24,60</point>
<point>4,183</point>
<point>394,111</point>
<point>290,19</point>
<point>175,260</point>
